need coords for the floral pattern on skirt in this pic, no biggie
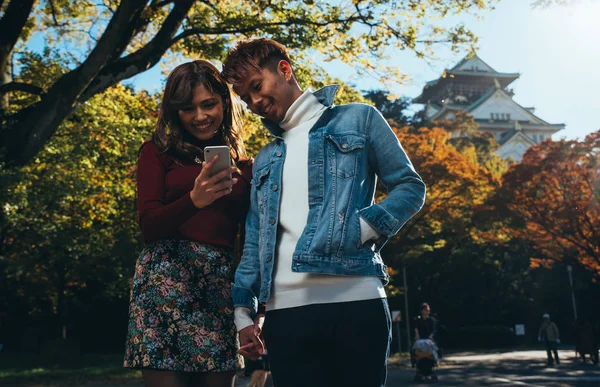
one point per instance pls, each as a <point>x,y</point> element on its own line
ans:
<point>181,311</point>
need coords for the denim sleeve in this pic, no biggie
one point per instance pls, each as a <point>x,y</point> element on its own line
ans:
<point>406,190</point>
<point>246,284</point>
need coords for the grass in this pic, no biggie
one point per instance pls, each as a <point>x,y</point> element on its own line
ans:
<point>31,370</point>
<point>399,360</point>
<point>35,370</point>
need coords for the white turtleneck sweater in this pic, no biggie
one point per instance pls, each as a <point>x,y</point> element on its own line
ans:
<point>292,289</point>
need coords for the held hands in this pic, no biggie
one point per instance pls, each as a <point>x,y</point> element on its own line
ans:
<point>251,344</point>
<point>208,188</point>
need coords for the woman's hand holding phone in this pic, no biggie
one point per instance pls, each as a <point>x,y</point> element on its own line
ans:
<point>209,188</point>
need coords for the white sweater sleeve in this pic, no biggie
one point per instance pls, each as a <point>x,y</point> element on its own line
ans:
<point>242,318</point>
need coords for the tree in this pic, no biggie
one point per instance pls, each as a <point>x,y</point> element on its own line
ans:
<point>552,199</point>
<point>117,40</point>
<point>391,108</point>
<point>468,279</point>
<point>455,185</point>
<point>469,140</point>
<point>70,234</point>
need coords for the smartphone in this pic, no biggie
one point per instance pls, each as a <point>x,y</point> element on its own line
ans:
<point>224,160</point>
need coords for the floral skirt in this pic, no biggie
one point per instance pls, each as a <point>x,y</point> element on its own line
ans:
<point>181,311</point>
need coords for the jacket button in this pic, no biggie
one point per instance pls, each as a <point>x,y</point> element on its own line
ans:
<point>345,145</point>
<point>278,154</point>
<point>272,221</point>
<point>269,257</point>
<point>275,187</point>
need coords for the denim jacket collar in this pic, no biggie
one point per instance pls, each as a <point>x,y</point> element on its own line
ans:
<point>324,95</point>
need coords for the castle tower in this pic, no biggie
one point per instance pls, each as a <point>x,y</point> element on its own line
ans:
<point>473,86</point>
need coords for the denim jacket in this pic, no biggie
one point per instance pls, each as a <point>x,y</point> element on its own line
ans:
<point>349,147</point>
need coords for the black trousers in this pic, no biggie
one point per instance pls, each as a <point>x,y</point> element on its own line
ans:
<point>340,344</point>
<point>551,347</point>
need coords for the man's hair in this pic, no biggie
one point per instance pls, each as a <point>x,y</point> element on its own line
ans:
<point>252,55</point>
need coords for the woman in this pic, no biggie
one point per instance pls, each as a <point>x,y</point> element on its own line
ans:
<point>424,324</point>
<point>424,338</point>
<point>181,329</point>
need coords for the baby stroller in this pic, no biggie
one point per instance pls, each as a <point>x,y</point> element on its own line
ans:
<point>425,358</point>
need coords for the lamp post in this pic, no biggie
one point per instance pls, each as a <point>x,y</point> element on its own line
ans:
<point>570,271</point>
<point>406,307</point>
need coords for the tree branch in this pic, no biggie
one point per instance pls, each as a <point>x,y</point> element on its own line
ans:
<point>159,4</point>
<point>253,28</point>
<point>142,59</point>
<point>21,86</point>
<point>11,25</point>
<point>53,12</point>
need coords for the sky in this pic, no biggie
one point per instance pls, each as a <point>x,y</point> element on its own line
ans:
<point>556,50</point>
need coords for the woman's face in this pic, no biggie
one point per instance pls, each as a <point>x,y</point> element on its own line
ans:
<point>425,312</point>
<point>203,117</point>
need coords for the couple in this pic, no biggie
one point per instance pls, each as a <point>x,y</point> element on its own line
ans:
<point>310,269</point>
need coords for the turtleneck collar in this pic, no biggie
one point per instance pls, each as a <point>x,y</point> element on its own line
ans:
<point>303,109</point>
<point>325,96</point>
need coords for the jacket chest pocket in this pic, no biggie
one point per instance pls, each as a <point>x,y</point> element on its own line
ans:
<point>259,182</point>
<point>343,152</point>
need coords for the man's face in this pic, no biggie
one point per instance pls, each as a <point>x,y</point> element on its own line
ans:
<point>268,92</point>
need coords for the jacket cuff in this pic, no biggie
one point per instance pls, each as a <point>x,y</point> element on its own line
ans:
<point>243,297</point>
<point>381,220</point>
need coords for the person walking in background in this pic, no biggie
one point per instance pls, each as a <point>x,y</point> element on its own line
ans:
<point>585,341</point>
<point>314,232</point>
<point>181,326</point>
<point>548,333</point>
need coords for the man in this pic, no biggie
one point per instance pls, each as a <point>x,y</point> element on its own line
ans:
<point>313,232</point>
<point>548,333</point>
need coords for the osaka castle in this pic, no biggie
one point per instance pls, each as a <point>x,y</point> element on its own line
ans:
<point>473,86</point>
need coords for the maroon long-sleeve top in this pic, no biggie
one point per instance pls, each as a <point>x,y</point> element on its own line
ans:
<point>166,210</point>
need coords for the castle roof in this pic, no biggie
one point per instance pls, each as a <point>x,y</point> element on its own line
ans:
<point>470,69</point>
<point>494,100</point>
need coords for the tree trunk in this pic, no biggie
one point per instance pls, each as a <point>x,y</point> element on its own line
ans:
<point>11,25</point>
<point>26,132</point>
<point>5,78</point>
<point>61,300</point>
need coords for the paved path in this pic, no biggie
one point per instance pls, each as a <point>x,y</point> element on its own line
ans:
<point>508,369</point>
<point>517,368</point>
